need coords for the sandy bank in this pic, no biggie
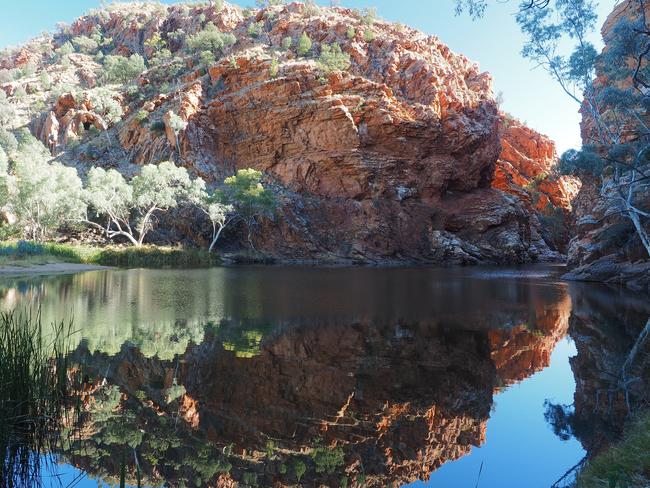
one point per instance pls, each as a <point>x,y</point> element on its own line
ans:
<point>49,268</point>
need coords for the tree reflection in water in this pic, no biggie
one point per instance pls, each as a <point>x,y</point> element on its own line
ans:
<point>269,376</point>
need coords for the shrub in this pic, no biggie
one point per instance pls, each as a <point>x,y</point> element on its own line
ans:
<point>369,16</point>
<point>157,126</point>
<point>311,8</point>
<point>287,42</point>
<point>328,460</point>
<point>255,29</point>
<point>351,32</point>
<point>304,44</point>
<point>368,35</point>
<point>65,49</point>
<point>20,93</point>
<point>206,59</point>
<point>5,76</point>
<point>120,69</point>
<point>332,58</point>
<point>275,68</point>
<point>29,69</point>
<point>142,116</point>
<point>299,469</point>
<point>209,39</point>
<point>8,141</point>
<point>155,42</point>
<point>46,81</point>
<point>85,44</point>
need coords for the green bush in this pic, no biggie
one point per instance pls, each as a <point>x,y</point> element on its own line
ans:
<point>304,44</point>
<point>120,69</point>
<point>328,460</point>
<point>209,39</point>
<point>85,44</point>
<point>368,35</point>
<point>255,29</point>
<point>332,58</point>
<point>351,32</point>
<point>286,43</point>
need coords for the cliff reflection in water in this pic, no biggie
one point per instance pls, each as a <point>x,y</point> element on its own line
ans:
<point>268,376</point>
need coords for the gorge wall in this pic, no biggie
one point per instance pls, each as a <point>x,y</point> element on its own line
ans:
<point>605,246</point>
<point>391,160</point>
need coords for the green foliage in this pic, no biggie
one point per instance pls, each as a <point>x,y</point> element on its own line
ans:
<point>368,35</point>
<point>29,69</point>
<point>19,93</point>
<point>625,464</point>
<point>583,162</point>
<point>46,81</point>
<point>42,195</point>
<point>275,68</point>
<point>286,43</point>
<point>332,58</point>
<point>85,44</point>
<point>120,69</point>
<point>299,468</point>
<point>304,44</point>
<point>104,103</point>
<point>475,8</point>
<point>142,116</point>
<point>250,199</point>
<point>311,8</point>
<point>328,460</point>
<point>174,392</point>
<point>63,51</point>
<point>155,42</point>
<point>32,404</point>
<point>206,59</point>
<point>8,141</point>
<point>161,57</point>
<point>7,113</point>
<point>209,39</point>
<point>255,29</point>
<point>157,188</point>
<point>351,32</point>
<point>369,16</point>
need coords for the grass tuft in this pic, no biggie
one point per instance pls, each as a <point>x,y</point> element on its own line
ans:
<point>624,465</point>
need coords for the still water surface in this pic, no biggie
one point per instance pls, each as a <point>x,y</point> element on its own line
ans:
<point>325,376</point>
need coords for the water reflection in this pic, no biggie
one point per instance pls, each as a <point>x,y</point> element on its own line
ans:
<point>274,376</point>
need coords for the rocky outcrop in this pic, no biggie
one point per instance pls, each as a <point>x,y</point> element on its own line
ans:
<point>526,168</point>
<point>604,332</point>
<point>390,160</point>
<point>67,121</point>
<point>605,246</point>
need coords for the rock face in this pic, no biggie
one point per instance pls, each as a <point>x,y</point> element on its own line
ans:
<point>605,246</point>
<point>604,334</point>
<point>392,160</point>
<point>525,168</point>
<point>66,122</point>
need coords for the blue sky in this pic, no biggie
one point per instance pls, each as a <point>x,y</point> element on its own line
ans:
<point>494,42</point>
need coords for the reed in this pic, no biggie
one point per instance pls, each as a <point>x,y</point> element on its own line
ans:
<point>33,389</point>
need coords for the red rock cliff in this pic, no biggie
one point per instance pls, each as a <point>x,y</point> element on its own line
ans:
<point>390,160</point>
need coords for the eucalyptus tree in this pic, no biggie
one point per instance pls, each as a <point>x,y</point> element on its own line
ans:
<point>129,208</point>
<point>251,201</point>
<point>41,195</point>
